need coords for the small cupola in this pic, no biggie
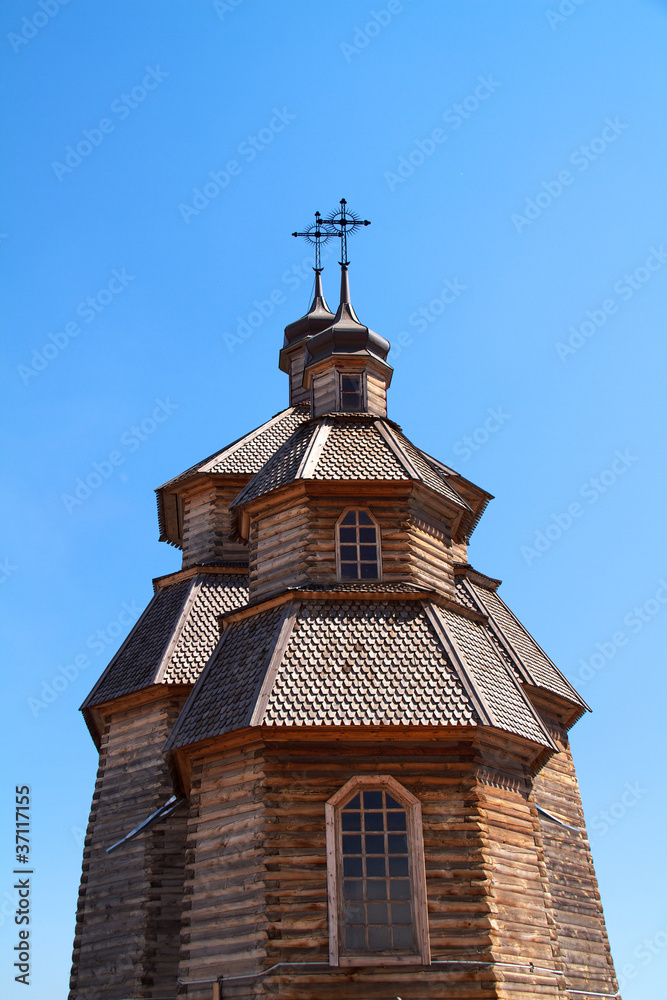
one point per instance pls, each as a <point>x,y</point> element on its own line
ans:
<point>297,336</point>
<point>346,363</point>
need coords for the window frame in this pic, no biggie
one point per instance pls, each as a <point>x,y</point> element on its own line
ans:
<point>412,805</point>
<point>378,545</point>
<point>344,373</point>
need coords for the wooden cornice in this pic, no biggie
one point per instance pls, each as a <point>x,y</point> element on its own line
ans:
<point>392,596</point>
<point>190,571</point>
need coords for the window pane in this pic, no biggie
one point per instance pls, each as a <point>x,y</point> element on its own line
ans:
<point>351,844</point>
<point>349,571</point>
<point>403,937</point>
<point>374,821</point>
<point>397,843</point>
<point>355,913</point>
<point>352,867</point>
<point>350,383</point>
<point>355,938</point>
<point>401,913</point>
<point>350,518</point>
<point>354,890</point>
<point>369,571</point>
<point>367,535</point>
<point>374,843</point>
<point>376,889</point>
<point>351,821</point>
<point>395,820</point>
<point>364,518</point>
<point>354,803</point>
<point>377,913</point>
<point>376,867</point>
<point>378,938</point>
<point>399,889</point>
<point>368,553</point>
<point>398,866</point>
<point>372,800</point>
<point>350,534</point>
<point>348,553</point>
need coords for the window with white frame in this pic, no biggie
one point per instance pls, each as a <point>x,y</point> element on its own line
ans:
<point>357,546</point>
<point>376,875</point>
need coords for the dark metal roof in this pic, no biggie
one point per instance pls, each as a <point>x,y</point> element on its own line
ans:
<point>318,317</point>
<point>346,335</point>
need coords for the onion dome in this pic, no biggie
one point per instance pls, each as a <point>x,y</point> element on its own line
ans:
<point>318,317</point>
<point>346,335</point>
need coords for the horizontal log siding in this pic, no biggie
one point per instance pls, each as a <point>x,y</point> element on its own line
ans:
<point>277,549</point>
<point>430,554</point>
<point>225,921</point>
<point>257,889</point>
<point>129,911</point>
<point>293,543</point>
<point>376,394</point>
<point>573,884</point>
<point>324,393</point>
<point>207,522</point>
<point>523,925</point>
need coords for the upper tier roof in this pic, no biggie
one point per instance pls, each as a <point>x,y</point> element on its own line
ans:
<point>339,446</point>
<point>350,447</point>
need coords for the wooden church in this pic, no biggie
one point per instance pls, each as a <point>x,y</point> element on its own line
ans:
<point>333,765</point>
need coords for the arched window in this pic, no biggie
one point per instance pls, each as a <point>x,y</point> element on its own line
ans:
<point>357,546</point>
<point>375,865</point>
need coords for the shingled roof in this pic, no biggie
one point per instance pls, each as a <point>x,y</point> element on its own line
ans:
<point>245,456</point>
<point>517,645</point>
<point>350,447</point>
<point>173,639</point>
<point>355,663</point>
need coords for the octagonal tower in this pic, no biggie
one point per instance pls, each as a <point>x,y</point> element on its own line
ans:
<point>333,764</point>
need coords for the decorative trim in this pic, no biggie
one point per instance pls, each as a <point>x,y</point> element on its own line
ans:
<point>498,779</point>
<point>261,697</point>
<point>387,434</point>
<point>184,574</point>
<point>313,451</point>
<point>188,603</point>
<point>460,666</point>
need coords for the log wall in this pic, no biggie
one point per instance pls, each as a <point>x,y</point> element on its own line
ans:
<point>297,393</point>
<point>293,542</point>
<point>207,523</point>
<point>257,886</point>
<point>129,911</point>
<point>571,874</point>
<point>325,391</point>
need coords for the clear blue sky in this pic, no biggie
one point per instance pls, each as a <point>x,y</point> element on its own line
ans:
<point>541,199</point>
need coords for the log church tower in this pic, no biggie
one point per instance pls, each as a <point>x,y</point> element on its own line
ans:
<point>333,765</point>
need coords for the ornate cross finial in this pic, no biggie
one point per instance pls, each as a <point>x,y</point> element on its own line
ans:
<point>316,235</point>
<point>340,224</point>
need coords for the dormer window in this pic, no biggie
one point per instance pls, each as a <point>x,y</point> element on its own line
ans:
<point>351,392</point>
<point>357,546</point>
